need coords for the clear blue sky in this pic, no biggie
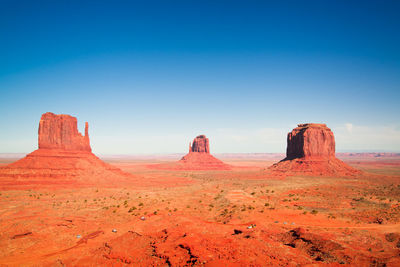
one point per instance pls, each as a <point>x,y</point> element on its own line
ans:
<point>150,75</point>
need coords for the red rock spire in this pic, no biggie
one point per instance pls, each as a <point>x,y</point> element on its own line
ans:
<point>61,132</point>
<point>201,144</point>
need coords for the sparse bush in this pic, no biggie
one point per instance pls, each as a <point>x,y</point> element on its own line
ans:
<point>132,209</point>
<point>314,212</point>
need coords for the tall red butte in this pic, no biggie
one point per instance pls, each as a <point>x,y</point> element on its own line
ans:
<point>199,157</point>
<point>64,156</point>
<point>311,151</point>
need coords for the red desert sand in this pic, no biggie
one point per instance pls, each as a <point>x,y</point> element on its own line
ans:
<point>175,217</point>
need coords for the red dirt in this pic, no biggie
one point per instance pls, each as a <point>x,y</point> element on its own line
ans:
<point>205,221</point>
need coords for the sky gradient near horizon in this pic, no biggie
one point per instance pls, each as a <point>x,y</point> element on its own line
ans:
<point>149,76</point>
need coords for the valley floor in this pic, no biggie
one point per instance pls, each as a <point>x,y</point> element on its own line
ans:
<point>238,217</point>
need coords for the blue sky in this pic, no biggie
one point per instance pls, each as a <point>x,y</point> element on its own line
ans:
<point>149,76</point>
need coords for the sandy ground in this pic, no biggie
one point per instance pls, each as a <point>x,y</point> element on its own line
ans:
<point>238,217</point>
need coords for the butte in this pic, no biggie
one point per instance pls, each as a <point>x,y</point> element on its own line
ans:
<point>198,158</point>
<point>311,152</point>
<point>64,157</point>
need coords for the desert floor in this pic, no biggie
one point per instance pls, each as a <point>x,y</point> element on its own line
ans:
<point>239,217</point>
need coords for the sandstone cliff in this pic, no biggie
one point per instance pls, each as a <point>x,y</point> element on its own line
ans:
<point>200,144</point>
<point>61,132</point>
<point>311,151</point>
<point>64,157</point>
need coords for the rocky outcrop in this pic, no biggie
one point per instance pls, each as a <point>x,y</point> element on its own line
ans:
<point>200,144</point>
<point>64,157</point>
<point>311,151</point>
<point>310,140</point>
<point>61,132</point>
<point>198,158</point>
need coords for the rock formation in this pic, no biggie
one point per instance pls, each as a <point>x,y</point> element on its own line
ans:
<point>310,140</point>
<point>198,158</point>
<point>311,151</point>
<point>201,144</point>
<point>64,156</point>
<point>61,132</point>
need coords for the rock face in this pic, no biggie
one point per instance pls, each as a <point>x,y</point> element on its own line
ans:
<point>198,158</point>
<point>310,140</point>
<point>64,157</point>
<point>61,132</point>
<point>201,144</point>
<point>311,151</point>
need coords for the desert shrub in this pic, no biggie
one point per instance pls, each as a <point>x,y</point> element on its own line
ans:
<point>314,212</point>
<point>132,209</point>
